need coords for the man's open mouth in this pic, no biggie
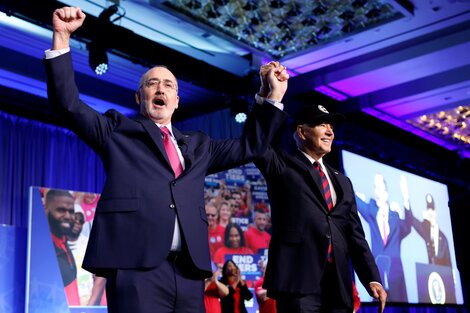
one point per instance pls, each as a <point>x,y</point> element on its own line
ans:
<point>158,101</point>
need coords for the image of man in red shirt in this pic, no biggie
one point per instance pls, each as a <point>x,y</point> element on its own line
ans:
<point>257,237</point>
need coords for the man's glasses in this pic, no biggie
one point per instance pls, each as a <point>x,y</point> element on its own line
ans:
<point>153,82</point>
<point>211,215</point>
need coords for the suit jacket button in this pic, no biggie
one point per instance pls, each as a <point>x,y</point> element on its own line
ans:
<point>172,206</point>
<point>173,183</point>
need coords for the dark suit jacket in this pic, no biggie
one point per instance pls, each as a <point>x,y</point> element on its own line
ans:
<point>302,227</point>
<point>134,220</point>
<point>388,257</point>
<point>423,228</point>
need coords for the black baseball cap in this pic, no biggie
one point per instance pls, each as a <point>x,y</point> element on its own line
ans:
<point>429,202</point>
<point>316,114</point>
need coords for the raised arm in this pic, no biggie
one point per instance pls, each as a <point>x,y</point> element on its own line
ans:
<point>222,290</point>
<point>274,79</point>
<point>65,21</point>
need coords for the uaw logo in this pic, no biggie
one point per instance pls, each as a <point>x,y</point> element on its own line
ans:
<point>436,289</point>
<point>322,108</point>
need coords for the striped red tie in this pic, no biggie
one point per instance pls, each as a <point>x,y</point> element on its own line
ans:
<point>325,185</point>
<point>171,152</point>
<point>329,202</point>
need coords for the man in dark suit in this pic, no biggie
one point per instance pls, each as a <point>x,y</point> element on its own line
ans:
<point>387,230</point>
<point>149,236</point>
<point>436,242</point>
<point>437,245</point>
<point>317,237</point>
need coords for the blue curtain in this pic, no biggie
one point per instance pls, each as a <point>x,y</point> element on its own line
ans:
<point>38,154</point>
<point>218,125</point>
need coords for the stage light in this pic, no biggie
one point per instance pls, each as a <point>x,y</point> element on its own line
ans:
<point>450,124</point>
<point>98,58</point>
<point>108,12</point>
<point>308,23</point>
<point>241,117</point>
<point>239,110</point>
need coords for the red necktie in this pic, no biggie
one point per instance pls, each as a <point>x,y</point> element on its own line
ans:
<point>325,185</point>
<point>171,152</point>
<point>384,228</point>
<point>329,202</point>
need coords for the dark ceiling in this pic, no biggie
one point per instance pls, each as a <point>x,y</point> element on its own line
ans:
<point>402,62</point>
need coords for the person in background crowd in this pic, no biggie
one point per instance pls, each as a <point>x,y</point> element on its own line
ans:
<point>243,202</point>
<point>214,290</point>
<point>77,242</point>
<point>88,202</point>
<point>234,302</point>
<point>265,303</point>
<point>256,237</point>
<point>215,231</point>
<point>60,211</point>
<point>234,243</point>
<point>225,214</point>
<point>76,238</point>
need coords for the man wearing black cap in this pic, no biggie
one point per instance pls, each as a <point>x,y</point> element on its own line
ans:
<point>436,242</point>
<point>317,237</point>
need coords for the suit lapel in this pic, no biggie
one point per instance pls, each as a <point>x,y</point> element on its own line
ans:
<point>315,182</point>
<point>182,140</point>
<point>154,131</point>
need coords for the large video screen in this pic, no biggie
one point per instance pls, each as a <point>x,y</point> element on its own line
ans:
<point>407,223</point>
<point>60,223</point>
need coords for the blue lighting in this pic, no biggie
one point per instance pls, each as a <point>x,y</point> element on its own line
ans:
<point>38,88</point>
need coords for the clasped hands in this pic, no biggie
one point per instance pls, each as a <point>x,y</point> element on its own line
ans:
<point>274,79</point>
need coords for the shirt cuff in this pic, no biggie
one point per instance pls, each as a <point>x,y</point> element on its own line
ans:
<point>261,100</point>
<point>50,54</point>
